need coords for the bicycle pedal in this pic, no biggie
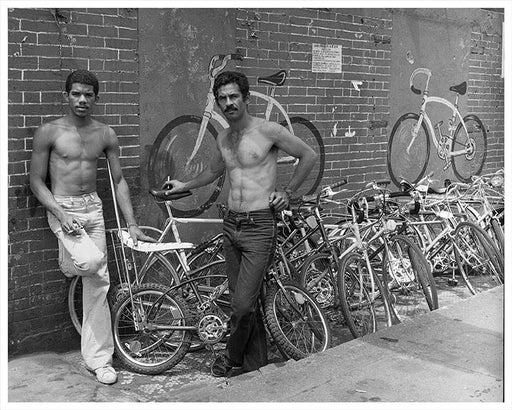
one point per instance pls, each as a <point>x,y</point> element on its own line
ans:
<point>134,346</point>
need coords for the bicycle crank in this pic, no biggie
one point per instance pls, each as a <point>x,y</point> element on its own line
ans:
<point>212,328</point>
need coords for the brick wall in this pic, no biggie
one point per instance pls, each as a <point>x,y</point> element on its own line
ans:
<point>486,93</point>
<point>45,45</point>
<point>273,39</point>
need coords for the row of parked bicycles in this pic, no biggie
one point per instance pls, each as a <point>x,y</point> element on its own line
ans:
<point>362,262</point>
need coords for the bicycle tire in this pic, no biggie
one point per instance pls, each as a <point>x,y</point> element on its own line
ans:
<point>158,269</point>
<point>465,166</point>
<point>75,303</point>
<point>355,301</point>
<point>307,333</point>
<point>478,260</point>
<point>164,161</point>
<point>308,133</point>
<point>148,351</point>
<point>317,276</point>
<point>408,276</point>
<point>411,165</point>
<point>204,254</point>
<point>499,236</point>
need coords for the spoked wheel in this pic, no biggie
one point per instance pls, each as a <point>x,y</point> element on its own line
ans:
<point>143,338</point>
<point>171,155</point>
<point>479,261</point>
<point>408,278</point>
<point>307,132</point>
<point>475,145</point>
<point>356,302</point>
<point>295,321</point>
<point>75,303</point>
<point>317,276</point>
<point>406,160</point>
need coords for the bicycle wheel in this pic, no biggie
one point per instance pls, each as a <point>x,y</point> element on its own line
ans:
<point>295,320</point>
<point>403,163</point>
<point>158,269</point>
<point>307,132</point>
<point>498,235</point>
<point>75,303</point>
<point>408,277</point>
<point>75,287</point>
<point>356,303</point>
<point>142,338</point>
<point>317,276</point>
<point>170,156</point>
<point>475,142</point>
<point>479,262</point>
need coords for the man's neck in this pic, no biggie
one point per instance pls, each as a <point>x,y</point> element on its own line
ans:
<point>78,122</point>
<point>241,125</point>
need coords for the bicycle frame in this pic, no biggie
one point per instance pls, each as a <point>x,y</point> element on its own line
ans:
<point>171,225</point>
<point>424,117</point>
<point>209,112</point>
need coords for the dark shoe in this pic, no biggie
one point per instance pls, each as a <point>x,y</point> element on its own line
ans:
<point>222,365</point>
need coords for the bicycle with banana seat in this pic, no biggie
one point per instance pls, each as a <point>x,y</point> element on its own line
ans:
<point>183,146</point>
<point>461,143</point>
<point>159,263</point>
<point>154,324</point>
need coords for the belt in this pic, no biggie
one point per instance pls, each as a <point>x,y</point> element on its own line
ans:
<point>247,215</point>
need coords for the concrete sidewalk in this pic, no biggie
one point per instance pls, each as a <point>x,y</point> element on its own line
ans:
<point>454,354</point>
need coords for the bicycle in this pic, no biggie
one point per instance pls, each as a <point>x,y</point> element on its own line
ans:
<point>454,244</point>
<point>184,144</point>
<point>372,275</point>
<point>156,263</point>
<point>154,324</point>
<point>463,146</point>
<point>483,202</point>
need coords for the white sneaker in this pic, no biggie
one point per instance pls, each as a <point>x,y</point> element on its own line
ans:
<point>106,375</point>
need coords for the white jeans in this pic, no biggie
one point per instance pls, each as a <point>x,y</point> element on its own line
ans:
<point>86,255</point>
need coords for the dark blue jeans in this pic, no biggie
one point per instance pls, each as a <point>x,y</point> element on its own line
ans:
<point>249,242</point>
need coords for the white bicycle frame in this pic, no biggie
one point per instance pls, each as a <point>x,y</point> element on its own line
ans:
<point>209,112</point>
<point>424,116</point>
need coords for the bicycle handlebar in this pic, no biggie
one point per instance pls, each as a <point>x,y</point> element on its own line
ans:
<point>420,70</point>
<point>326,192</point>
<point>371,186</point>
<point>165,196</point>
<point>213,71</point>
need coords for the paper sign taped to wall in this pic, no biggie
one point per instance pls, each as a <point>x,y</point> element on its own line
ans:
<point>326,58</point>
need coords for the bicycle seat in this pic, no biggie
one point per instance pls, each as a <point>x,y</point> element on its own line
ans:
<point>276,79</point>
<point>460,89</point>
<point>163,195</point>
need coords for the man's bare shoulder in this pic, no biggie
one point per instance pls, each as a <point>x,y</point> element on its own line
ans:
<point>271,129</point>
<point>49,130</point>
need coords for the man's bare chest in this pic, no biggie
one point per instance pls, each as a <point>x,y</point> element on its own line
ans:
<point>245,152</point>
<point>74,145</point>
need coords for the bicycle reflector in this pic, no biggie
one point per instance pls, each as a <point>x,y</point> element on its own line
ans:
<point>497,181</point>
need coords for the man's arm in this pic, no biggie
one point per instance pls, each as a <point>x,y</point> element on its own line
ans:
<point>294,146</point>
<point>122,191</point>
<point>41,148</point>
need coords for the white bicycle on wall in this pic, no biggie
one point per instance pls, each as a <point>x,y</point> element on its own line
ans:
<point>461,143</point>
<point>183,146</point>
